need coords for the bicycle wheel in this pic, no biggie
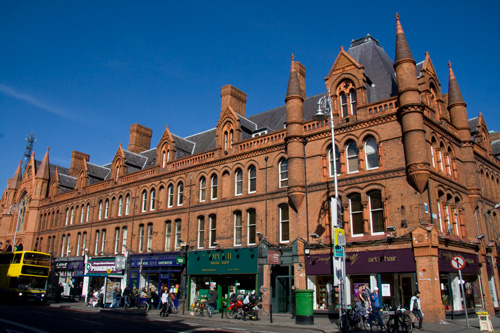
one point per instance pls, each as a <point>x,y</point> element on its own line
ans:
<point>344,323</point>
<point>366,324</point>
<point>391,325</point>
<point>231,314</point>
<point>406,324</point>
<point>356,322</point>
<point>144,306</point>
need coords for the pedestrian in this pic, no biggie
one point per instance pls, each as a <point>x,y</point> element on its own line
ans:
<point>292,302</point>
<point>126,296</point>
<point>117,295</point>
<point>376,307</point>
<point>368,296</point>
<point>416,309</point>
<point>59,292</point>
<point>212,300</point>
<point>164,303</point>
<point>361,301</point>
<point>160,296</point>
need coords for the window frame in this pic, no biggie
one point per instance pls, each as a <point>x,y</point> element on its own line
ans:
<point>283,172</point>
<point>203,189</point>
<point>201,232</point>
<point>238,182</point>
<point>252,179</point>
<point>375,152</point>
<point>237,228</point>
<point>251,226</point>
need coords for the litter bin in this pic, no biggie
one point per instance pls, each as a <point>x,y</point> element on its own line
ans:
<point>304,307</point>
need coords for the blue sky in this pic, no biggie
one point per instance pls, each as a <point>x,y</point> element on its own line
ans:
<point>79,73</point>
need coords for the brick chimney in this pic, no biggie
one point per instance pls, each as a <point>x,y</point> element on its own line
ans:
<point>140,138</point>
<point>301,73</point>
<point>77,162</point>
<point>233,97</point>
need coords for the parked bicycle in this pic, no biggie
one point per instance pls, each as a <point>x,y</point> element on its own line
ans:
<point>399,321</point>
<point>350,320</point>
<point>137,304</point>
<point>199,306</point>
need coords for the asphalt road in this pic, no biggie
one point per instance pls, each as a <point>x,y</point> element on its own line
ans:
<point>41,319</point>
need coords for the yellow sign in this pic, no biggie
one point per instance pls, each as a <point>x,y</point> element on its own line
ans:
<point>336,233</point>
<point>109,270</point>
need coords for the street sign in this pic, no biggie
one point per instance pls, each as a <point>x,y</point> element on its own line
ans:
<point>273,257</point>
<point>120,262</point>
<point>338,251</point>
<point>338,237</point>
<point>179,260</point>
<point>458,262</point>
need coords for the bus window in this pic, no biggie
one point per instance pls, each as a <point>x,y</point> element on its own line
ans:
<point>17,258</point>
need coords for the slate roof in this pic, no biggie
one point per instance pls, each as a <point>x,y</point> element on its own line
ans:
<point>495,148</point>
<point>205,141</point>
<point>381,78</point>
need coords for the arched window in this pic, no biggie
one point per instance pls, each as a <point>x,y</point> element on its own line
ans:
<point>376,212</point>
<point>152,199</point>
<point>63,245</point>
<point>72,215</point>
<point>103,240</point>
<point>353,100</point>
<point>96,248</point>
<point>82,214</point>
<point>168,235</point>
<point>203,189</point>
<point>214,187</point>
<point>100,209</point>
<point>84,242</point>
<point>141,238</point>
<point>170,195</point>
<point>149,247</point>
<point>238,182</point>
<point>283,169</point>
<point>124,240</point>
<point>201,232</point>
<point>252,179</point>
<point>237,228</point>
<point>371,153</point>
<point>127,204</point>
<point>347,98</point>
<point>252,226</point>
<point>106,209</point>
<point>88,213</point>
<point>432,156</point>
<point>356,212</point>
<point>117,240</point>
<point>178,230</point>
<point>343,104</point>
<point>352,157</point>
<point>120,205</point>
<point>284,223</point>
<point>144,200</point>
<point>330,161</point>
<point>213,230</point>
<point>180,193</point>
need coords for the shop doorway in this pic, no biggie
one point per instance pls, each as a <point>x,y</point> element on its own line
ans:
<point>282,294</point>
<point>407,288</point>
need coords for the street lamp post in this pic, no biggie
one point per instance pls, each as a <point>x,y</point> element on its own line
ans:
<point>325,111</point>
<point>18,209</point>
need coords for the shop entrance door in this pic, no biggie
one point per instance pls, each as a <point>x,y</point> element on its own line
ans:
<point>282,294</point>
<point>407,288</point>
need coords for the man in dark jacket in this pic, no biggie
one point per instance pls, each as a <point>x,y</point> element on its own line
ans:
<point>292,302</point>
<point>212,300</point>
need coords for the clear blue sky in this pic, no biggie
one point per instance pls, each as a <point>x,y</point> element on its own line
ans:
<point>79,73</point>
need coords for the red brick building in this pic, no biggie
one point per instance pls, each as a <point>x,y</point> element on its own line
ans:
<point>417,181</point>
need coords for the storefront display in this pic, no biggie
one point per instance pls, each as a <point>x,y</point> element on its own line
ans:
<point>102,276</point>
<point>69,273</point>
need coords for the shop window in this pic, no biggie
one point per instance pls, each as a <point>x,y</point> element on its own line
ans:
<point>201,232</point>
<point>203,188</point>
<point>283,169</point>
<point>356,212</point>
<point>284,223</point>
<point>238,182</point>
<point>252,226</point>
<point>213,230</point>
<point>376,212</point>
<point>330,161</point>
<point>352,157</point>
<point>371,153</point>
<point>180,194</point>
<point>237,228</point>
<point>252,179</point>
<point>213,191</point>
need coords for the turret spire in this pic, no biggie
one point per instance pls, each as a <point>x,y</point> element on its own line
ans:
<point>454,93</point>
<point>402,48</point>
<point>44,170</point>
<point>293,82</point>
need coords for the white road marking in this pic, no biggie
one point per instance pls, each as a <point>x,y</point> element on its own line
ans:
<point>26,327</point>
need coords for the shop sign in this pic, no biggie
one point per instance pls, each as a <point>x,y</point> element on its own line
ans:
<point>100,267</point>
<point>471,262</point>
<point>179,260</point>
<point>68,265</point>
<point>154,261</point>
<point>390,261</point>
<point>273,257</point>
<point>226,261</point>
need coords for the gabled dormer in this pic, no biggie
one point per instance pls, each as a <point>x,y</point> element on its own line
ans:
<point>228,129</point>
<point>54,187</point>
<point>165,151</point>
<point>30,168</point>
<point>118,165</point>
<point>430,89</point>
<point>42,178</point>
<point>480,133</point>
<point>346,82</point>
<point>83,176</point>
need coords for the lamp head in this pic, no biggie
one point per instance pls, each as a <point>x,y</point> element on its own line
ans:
<point>320,114</point>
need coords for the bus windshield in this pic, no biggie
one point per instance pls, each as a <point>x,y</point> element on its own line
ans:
<point>31,282</point>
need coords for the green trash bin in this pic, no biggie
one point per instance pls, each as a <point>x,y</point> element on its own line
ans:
<point>304,307</point>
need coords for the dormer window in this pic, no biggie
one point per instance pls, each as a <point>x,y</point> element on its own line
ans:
<point>347,98</point>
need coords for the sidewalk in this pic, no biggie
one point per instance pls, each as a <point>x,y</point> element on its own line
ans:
<point>321,323</point>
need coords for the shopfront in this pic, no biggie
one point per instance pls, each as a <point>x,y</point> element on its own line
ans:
<point>229,270</point>
<point>450,281</point>
<point>102,276</point>
<point>68,271</point>
<point>155,270</point>
<point>392,271</point>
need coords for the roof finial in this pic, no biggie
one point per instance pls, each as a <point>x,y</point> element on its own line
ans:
<point>399,28</point>
<point>292,68</point>
<point>341,48</point>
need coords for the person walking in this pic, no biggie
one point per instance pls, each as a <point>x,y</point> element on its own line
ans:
<point>361,301</point>
<point>117,295</point>
<point>292,302</point>
<point>126,296</point>
<point>376,307</point>
<point>416,309</point>
<point>59,292</point>
<point>212,300</point>
<point>164,304</point>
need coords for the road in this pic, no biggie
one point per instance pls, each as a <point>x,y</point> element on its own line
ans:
<point>41,319</point>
